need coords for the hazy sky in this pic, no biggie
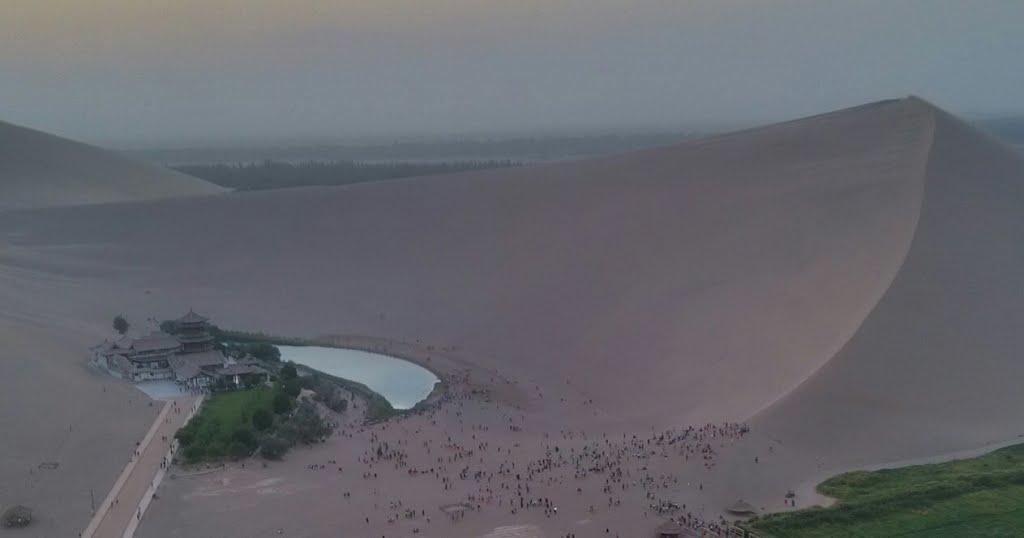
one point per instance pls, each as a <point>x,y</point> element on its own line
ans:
<point>141,72</point>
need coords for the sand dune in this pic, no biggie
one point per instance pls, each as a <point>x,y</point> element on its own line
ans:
<point>694,263</point>
<point>40,170</point>
<point>936,362</point>
<point>851,281</point>
<point>933,369</point>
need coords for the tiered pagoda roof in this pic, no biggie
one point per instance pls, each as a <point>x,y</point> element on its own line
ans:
<point>191,317</point>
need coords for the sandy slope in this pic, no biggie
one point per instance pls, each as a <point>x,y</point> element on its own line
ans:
<point>712,266</point>
<point>934,369</point>
<point>938,358</point>
<point>40,170</point>
<point>865,258</point>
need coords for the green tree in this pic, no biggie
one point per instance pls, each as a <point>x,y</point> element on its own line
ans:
<point>288,371</point>
<point>120,324</point>
<point>238,450</point>
<point>262,420</point>
<point>184,436</point>
<point>282,403</point>
<point>244,436</point>
<point>337,404</point>
<point>194,453</point>
<point>329,395</point>
<point>273,447</point>
<point>264,351</point>
<point>291,387</point>
<point>308,426</point>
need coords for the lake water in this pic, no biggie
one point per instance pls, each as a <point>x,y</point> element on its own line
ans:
<point>401,382</point>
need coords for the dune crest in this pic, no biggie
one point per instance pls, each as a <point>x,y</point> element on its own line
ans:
<point>38,169</point>
<point>932,369</point>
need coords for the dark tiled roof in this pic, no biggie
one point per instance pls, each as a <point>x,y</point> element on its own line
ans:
<point>192,317</point>
<point>241,369</point>
<point>188,371</point>
<point>193,338</point>
<point>192,364</point>
<point>205,358</point>
<point>155,341</point>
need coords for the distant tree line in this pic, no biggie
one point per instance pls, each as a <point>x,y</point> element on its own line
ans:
<point>261,351</point>
<point>522,149</point>
<point>278,175</point>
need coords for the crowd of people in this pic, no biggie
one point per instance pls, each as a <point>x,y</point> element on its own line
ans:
<point>522,470</point>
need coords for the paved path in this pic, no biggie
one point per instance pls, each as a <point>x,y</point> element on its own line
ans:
<point>124,504</point>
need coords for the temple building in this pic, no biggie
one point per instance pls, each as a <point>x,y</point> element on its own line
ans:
<point>188,357</point>
<point>193,332</point>
<point>139,359</point>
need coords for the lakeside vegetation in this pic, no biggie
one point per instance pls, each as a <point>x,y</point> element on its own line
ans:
<point>264,419</point>
<point>378,408</point>
<point>277,175</point>
<point>227,337</point>
<point>982,496</point>
<point>263,347</point>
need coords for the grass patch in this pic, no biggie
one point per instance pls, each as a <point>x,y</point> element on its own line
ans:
<point>224,426</point>
<point>981,496</point>
<point>234,425</point>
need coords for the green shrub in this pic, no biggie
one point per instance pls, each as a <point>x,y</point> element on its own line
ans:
<point>193,453</point>
<point>238,450</point>
<point>262,419</point>
<point>290,387</point>
<point>273,447</point>
<point>244,436</point>
<point>120,324</point>
<point>308,424</point>
<point>282,403</point>
<point>185,436</point>
<point>263,351</point>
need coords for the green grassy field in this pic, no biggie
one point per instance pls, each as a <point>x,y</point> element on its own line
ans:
<point>975,497</point>
<point>219,423</point>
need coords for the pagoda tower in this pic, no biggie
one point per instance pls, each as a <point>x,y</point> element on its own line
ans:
<point>194,333</point>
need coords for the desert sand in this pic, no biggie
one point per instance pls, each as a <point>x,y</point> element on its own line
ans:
<point>845,285</point>
<point>38,169</point>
